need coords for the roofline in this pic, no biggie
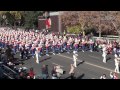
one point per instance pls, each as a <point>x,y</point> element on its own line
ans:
<point>55,13</point>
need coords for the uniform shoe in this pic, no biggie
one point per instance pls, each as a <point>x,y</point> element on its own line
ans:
<point>104,62</point>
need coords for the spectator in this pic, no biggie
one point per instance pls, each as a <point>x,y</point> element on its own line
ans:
<point>45,74</point>
<point>54,73</point>
<point>31,73</point>
<point>103,76</point>
<point>28,77</point>
<point>113,75</point>
<point>59,71</point>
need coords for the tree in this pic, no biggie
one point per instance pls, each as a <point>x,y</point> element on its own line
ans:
<point>71,21</point>
<point>3,17</point>
<point>28,19</point>
<point>72,18</point>
<point>103,21</point>
<point>31,18</point>
<point>116,21</point>
<point>17,16</point>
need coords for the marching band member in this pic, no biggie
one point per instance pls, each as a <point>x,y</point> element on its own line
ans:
<point>54,47</point>
<point>83,45</point>
<point>71,42</point>
<point>59,46</point>
<point>47,44</point>
<point>91,45</point>
<point>37,55</point>
<point>33,50</point>
<point>75,55</point>
<point>104,53</point>
<point>68,46</point>
<point>64,42</point>
<point>117,62</point>
<point>40,49</point>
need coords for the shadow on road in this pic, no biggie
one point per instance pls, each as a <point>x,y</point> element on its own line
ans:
<point>45,59</point>
<point>69,77</point>
<point>108,58</point>
<point>80,63</point>
<point>81,76</point>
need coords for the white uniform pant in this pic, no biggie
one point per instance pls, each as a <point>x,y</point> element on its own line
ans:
<point>37,58</point>
<point>75,63</point>
<point>104,58</point>
<point>117,68</point>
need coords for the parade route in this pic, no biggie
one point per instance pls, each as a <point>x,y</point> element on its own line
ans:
<point>90,68</point>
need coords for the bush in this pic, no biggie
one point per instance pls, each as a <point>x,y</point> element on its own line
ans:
<point>74,29</point>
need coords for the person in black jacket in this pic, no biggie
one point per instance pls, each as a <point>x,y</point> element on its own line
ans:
<point>26,53</point>
<point>54,73</point>
<point>45,74</point>
<point>8,53</point>
<point>22,51</point>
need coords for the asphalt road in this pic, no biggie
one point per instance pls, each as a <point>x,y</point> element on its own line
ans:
<point>91,68</point>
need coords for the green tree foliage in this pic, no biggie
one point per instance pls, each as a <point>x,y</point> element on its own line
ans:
<point>74,29</point>
<point>103,21</point>
<point>31,18</point>
<point>28,19</point>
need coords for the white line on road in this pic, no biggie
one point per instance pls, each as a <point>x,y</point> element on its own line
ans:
<point>89,63</point>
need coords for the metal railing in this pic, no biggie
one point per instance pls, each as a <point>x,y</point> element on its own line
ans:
<point>8,72</point>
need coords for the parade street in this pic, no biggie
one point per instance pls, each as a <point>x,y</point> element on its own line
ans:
<point>89,65</point>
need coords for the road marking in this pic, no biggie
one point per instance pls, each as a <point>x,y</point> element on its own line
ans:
<point>89,63</point>
<point>93,57</point>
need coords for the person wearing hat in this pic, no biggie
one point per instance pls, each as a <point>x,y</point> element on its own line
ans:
<point>75,55</point>
<point>54,47</point>
<point>83,45</point>
<point>104,53</point>
<point>71,43</point>
<point>64,43</point>
<point>47,44</point>
<point>68,46</point>
<point>117,62</point>
<point>91,45</point>
<point>37,55</point>
<point>59,46</point>
<point>33,50</point>
<point>40,47</point>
